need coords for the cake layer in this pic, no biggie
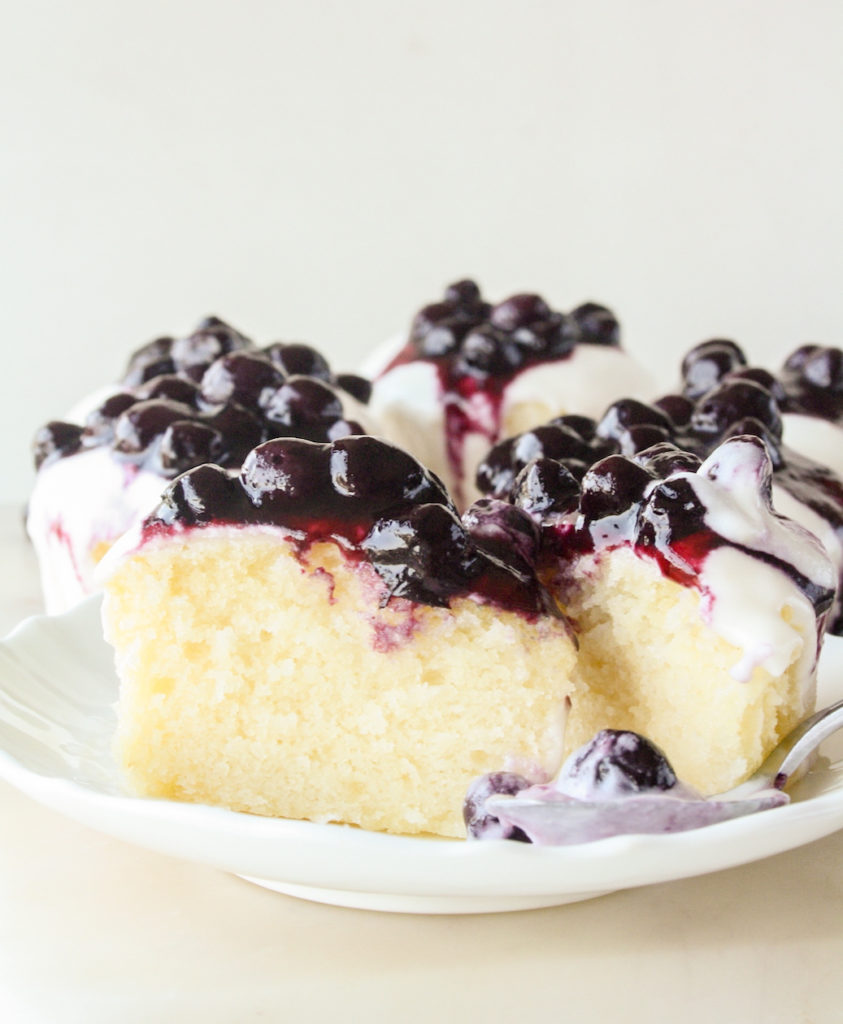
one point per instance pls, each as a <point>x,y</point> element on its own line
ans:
<point>272,680</point>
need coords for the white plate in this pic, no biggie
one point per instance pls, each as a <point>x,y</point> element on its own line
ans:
<point>57,690</point>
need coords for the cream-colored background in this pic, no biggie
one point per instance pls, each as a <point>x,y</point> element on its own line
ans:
<point>318,171</point>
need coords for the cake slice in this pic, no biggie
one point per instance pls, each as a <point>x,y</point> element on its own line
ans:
<point>699,610</point>
<point>323,638</point>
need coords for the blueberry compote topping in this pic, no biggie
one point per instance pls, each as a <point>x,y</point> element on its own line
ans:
<point>210,397</point>
<point>478,345</point>
<point>380,506</point>
<point>618,783</point>
<point>478,348</point>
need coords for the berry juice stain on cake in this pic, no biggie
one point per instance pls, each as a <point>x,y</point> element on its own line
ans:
<point>472,372</point>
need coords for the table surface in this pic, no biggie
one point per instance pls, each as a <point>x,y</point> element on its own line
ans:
<point>94,930</point>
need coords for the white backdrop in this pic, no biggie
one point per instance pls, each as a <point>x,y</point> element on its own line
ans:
<point>316,171</point>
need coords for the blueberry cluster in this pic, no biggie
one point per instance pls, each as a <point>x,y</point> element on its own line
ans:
<point>479,340</point>
<point>211,397</point>
<point>382,506</point>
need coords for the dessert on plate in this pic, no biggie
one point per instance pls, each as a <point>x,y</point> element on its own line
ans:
<point>322,637</point>
<point>472,372</point>
<point>208,397</point>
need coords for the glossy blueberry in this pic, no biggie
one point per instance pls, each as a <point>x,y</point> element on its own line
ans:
<point>464,294</point>
<point>188,443</point>
<point>486,351</point>
<point>503,532</point>
<point>304,407</point>
<point>142,423</point>
<point>662,460</point>
<point>597,325</point>
<point>150,360</point>
<point>99,425</point>
<point>381,475</point>
<point>296,358</point>
<point>479,823</point>
<point>616,763</point>
<point>204,494</point>
<point>545,486</point>
<point>708,363</point>
<point>284,471</point>
<point>629,412</point>
<point>422,553</point>
<point>357,387</point>
<point>611,486</point>
<point>240,430</point>
<point>677,408</point>
<point>54,440</point>
<point>519,311</point>
<point>734,400</point>
<point>243,377</point>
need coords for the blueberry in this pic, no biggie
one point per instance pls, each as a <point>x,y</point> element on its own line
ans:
<point>284,471</point>
<point>486,351</point>
<point>463,293</point>
<point>212,338</point>
<point>823,368</point>
<point>615,763</point>
<point>734,400</point>
<point>296,358</point>
<point>381,475</point>
<point>749,426</point>
<point>141,424</point>
<point>597,325</point>
<point>171,386</point>
<point>243,377</point>
<point>54,440</point>
<point>677,408</point>
<point>99,424</point>
<point>545,486</point>
<point>663,460</point>
<point>708,363</point>
<point>239,429</point>
<point>189,443</point>
<point>150,360</point>
<point>481,825</point>
<point>503,532</point>
<point>643,435</point>
<point>422,551</point>
<point>612,486</point>
<point>200,496</point>
<point>303,406</point>
<point>628,412</point>
<point>763,378</point>
<point>357,387</point>
<point>796,360</point>
<point>519,311</point>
